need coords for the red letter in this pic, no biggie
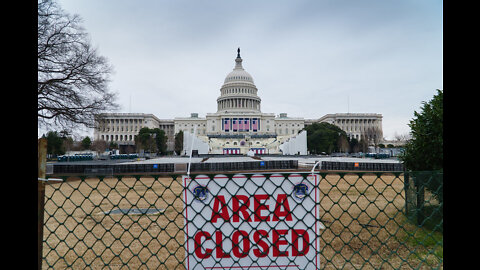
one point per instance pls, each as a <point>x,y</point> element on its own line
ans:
<point>277,243</point>
<point>306,240</point>
<point>236,243</point>
<point>237,208</point>
<point>218,241</point>
<point>282,200</point>
<point>258,207</point>
<point>198,246</point>
<point>220,199</point>
<point>261,243</point>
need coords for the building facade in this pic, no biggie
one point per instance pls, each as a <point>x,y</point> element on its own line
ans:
<point>238,126</point>
<point>121,128</point>
<point>357,125</point>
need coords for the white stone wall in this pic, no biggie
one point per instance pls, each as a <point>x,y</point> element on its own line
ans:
<point>288,126</point>
<point>189,124</point>
<point>214,124</point>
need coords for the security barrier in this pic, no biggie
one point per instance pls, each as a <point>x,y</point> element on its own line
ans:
<point>274,220</point>
<point>360,166</point>
<point>224,167</point>
<point>170,167</point>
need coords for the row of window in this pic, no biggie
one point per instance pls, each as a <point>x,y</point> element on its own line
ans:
<point>121,121</point>
<point>279,131</point>
<point>355,128</point>
<point>238,78</point>
<point>358,136</point>
<point>199,131</point>
<point>131,121</point>
<point>239,103</point>
<point>236,143</point>
<point>286,125</point>
<point>117,138</point>
<point>198,125</point>
<point>117,128</point>
<point>238,91</point>
<point>356,121</point>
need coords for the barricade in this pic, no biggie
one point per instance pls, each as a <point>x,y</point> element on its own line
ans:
<point>225,167</point>
<point>362,166</point>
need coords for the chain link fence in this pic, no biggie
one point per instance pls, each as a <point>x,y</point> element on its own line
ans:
<point>287,220</point>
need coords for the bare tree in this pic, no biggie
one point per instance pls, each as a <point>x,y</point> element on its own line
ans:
<point>342,144</point>
<point>72,78</point>
<point>68,144</point>
<point>402,137</point>
<point>363,144</point>
<point>372,136</point>
<point>99,145</point>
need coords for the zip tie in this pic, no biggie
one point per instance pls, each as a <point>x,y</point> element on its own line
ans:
<point>49,179</point>
<point>318,162</point>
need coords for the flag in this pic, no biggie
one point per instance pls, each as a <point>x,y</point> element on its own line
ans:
<point>226,124</point>
<point>247,124</point>
<point>254,124</point>
<point>234,124</point>
<point>240,124</point>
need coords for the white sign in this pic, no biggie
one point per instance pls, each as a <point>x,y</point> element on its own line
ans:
<point>252,221</point>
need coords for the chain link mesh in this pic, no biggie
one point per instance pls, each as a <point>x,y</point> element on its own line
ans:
<point>372,221</point>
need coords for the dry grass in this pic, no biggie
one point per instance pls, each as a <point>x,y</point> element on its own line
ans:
<point>365,224</point>
<point>362,215</point>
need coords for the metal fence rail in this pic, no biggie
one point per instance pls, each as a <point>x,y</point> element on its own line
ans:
<point>372,220</point>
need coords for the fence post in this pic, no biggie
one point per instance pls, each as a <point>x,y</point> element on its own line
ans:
<point>406,182</point>
<point>420,198</point>
<point>42,166</point>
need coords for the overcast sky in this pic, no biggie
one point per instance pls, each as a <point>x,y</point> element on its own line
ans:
<point>307,58</point>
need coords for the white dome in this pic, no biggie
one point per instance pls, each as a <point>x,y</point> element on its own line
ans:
<point>239,74</point>
<point>238,92</point>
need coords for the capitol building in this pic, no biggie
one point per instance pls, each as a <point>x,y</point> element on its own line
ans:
<point>237,127</point>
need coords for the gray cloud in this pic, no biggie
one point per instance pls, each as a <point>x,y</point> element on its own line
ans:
<point>308,58</point>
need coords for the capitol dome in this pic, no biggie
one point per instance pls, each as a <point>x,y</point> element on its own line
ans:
<point>239,74</point>
<point>238,92</point>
